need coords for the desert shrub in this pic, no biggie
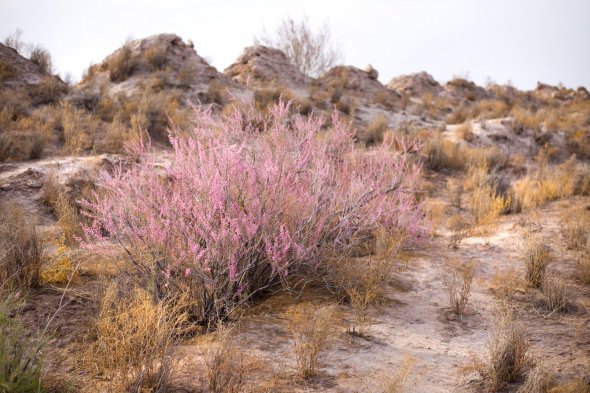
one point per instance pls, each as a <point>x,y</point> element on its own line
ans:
<point>376,130</point>
<point>42,58</point>
<point>555,295</point>
<point>309,327</point>
<point>583,267</point>
<point>117,135</point>
<point>6,147</point>
<point>20,248</point>
<point>120,65</point>
<point>20,362</point>
<point>457,277</point>
<point>156,57</point>
<point>536,258</point>
<point>267,98</point>
<point>225,366</point>
<point>538,380</point>
<point>508,353</point>
<point>230,223</point>
<point>133,335</point>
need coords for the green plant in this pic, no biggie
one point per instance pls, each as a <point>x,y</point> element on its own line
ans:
<point>20,362</point>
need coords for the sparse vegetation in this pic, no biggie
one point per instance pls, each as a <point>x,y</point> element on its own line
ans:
<point>225,364</point>
<point>133,335</point>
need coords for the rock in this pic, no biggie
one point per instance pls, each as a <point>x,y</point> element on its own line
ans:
<point>415,85</point>
<point>261,66</point>
<point>371,72</point>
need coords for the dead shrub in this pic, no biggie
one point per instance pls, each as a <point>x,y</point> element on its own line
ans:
<point>224,362</point>
<point>54,196</point>
<point>457,278</point>
<point>133,335</point>
<point>42,58</point>
<point>526,118</point>
<point>508,353</point>
<point>491,109</point>
<point>120,65</point>
<point>156,57</point>
<point>443,154</point>
<point>536,258</point>
<point>21,249</point>
<point>555,295</point>
<point>309,327</point>
<point>117,135</point>
<point>266,98</point>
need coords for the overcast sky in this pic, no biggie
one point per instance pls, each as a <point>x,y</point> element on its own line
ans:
<point>522,41</point>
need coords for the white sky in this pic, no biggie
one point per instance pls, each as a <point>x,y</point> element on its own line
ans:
<point>522,41</point>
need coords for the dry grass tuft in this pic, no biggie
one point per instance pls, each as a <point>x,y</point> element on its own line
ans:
<point>508,353</point>
<point>397,381</point>
<point>156,57</point>
<point>225,364</point>
<point>120,65</point>
<point>21,248</point>
<point>309,327</point>
<point>375,131</point>
<point>465,132</point>
<point>133,335</point>
<point>485,203</point>
<point>555,295</point>
<point>536,257</point>
<point>460,229</point>
<point>538,380</point>
<point>457,278</point>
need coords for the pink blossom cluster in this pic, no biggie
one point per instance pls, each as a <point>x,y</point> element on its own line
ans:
<point>249,199</point>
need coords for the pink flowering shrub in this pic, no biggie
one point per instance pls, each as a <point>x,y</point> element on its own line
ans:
<point>249,200</point>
